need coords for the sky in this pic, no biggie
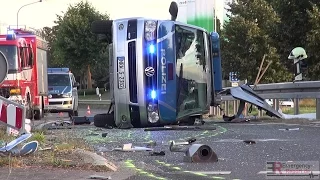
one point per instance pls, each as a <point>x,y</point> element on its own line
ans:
<point>44,13</point>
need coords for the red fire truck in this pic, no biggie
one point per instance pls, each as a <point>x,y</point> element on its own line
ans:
<point>27,80</point>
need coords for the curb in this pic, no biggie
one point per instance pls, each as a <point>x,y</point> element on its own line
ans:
<point>95,159</point>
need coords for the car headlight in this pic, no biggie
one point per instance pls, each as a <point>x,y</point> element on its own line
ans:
<point>150,30</point>
<point>67,95</point>
<point>153,115</point>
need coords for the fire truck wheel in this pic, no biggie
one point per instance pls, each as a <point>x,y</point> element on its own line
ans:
<point>29,113</point>
<point>103,120</point>
<point>29,110</point>
<point>37,114</point>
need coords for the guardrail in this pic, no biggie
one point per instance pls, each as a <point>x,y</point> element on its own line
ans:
<point>287,90</point>
<point>275,91</point>
<point>99,102</point>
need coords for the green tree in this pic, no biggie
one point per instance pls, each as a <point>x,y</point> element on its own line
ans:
<point>294,26</point>
<point>49,34</point>
<point>101,72</point>
<point>313,43</point>
<point>75,45</point>
<point>245,40</point>
<point>218,26</point>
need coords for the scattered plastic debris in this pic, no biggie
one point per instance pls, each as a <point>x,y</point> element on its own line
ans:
<point>26,149</point>
<point>161,153</point>
<point>93,134</point>
<point>129,147</point>
<point>191,140</point>
<point>292,129</point>
<point>99,177</point>
<point>98,129</point>
<point>11,147</point>
<point>182,128</point>
<point>187,142</point>
<point>249,142</point>
<point>45,149</point>
<point>56,125</point>
<point>151,144</point>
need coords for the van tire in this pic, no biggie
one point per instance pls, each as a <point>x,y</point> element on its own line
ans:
<point>103,120</point>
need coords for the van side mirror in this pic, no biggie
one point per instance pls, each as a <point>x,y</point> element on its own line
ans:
<point>76,84</point>
<point>173,10</point>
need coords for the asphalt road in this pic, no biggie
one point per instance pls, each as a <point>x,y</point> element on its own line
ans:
<point>237,160</point>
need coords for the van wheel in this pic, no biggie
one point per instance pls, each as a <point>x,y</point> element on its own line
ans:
<point>103,120</point>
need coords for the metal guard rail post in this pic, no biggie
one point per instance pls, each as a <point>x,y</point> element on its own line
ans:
<point>288,90</point>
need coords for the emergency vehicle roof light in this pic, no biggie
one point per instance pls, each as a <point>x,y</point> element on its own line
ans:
<point>58,70</point>
<point>10,32</point>
<point>11,35</point>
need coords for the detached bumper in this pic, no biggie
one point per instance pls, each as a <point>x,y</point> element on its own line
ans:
<point>59,105</point>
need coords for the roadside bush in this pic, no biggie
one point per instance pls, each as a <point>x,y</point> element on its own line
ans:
<point>307,103</point>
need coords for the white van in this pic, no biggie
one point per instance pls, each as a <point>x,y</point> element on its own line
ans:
<point>63,91</point>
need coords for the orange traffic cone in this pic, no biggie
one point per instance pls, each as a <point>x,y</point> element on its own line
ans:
<point>88,111</point>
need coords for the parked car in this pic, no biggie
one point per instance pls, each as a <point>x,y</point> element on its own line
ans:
<point>282,102</point>
<point>286,102</point>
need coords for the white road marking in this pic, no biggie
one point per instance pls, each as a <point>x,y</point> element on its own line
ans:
<point>241,140</point>
<point>265,172</point>
<point>211,172</point>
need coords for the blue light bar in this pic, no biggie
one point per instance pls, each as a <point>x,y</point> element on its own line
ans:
<point>151,49</point>
<point>153,94</point>
<point>58,70</point>
<point>11,35</point>
<point>10,32</point>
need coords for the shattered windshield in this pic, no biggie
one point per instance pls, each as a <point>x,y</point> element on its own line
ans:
<point>10,52</point>
<point>59,80</point>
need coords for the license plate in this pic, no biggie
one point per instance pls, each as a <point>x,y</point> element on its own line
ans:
<point>121,73</point>
<point>53,107</point>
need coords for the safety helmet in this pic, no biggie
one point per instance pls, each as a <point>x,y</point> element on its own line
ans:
<point>298,53</point>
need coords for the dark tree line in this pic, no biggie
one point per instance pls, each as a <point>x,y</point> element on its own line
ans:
<point>73,45</point>
<point>272,28</point>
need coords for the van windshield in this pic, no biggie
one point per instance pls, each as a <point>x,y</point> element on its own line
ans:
<point>59,80</point>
